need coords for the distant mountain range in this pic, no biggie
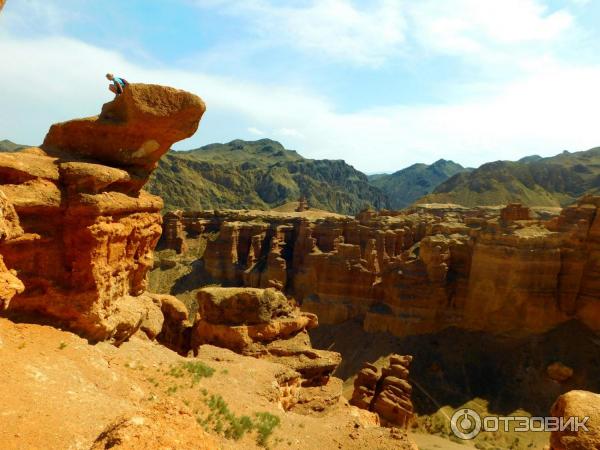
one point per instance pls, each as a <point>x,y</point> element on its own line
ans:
<point>259,175</point>
<point>8,146</point>
<point>535,181</point>
<point>406,186</point>
<point>263,174</point>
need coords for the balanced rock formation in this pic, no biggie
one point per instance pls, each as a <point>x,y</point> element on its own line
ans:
<point>386,392</point>
<point>77,228</point>
<point>265,324</point>
<point>133,131</point>
<point>575,406</point>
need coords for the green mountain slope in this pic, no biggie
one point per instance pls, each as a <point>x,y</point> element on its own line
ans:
<point>259,174</point>
<point>407,185</point>
<point>8,146</point>
<point>554,181</point>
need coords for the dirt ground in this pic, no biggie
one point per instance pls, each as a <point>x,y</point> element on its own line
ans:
<point>60,392</point>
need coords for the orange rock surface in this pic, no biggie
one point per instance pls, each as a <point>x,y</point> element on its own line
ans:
<point>59,391</point>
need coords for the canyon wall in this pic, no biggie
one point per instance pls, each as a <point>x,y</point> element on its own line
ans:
<point>416,271</point>
<point>76,226</point>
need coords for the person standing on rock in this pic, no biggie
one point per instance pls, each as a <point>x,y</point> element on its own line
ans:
<point>118,84</point>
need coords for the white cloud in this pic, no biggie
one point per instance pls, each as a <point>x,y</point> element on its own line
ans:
<point>553,108</point>
<point>289,132</point>
<point>371,36</point>
<point>335,29</point>
<point>255,131</point>
<point>38,16</point>
<point>466,26</point>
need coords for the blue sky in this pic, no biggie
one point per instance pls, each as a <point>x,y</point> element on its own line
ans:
<point>379,83</point>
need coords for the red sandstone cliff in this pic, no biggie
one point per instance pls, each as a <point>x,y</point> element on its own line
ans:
<point>77,229</point>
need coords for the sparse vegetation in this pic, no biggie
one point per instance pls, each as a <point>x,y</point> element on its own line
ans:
<point>222,421</point>
<point>171,390</point>
<point>153,381</point>
<point>265,425</point>
<point>62,346</point>
<point>196,369</point>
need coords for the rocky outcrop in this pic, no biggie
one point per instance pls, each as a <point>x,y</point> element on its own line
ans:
<point>88,231</point>
<point>421,270</point>
<point>515,211</point>
<point>265,324</point>
<point>173,233</point>
<point>577,405</point>
<point>10,285</point>
<point>386,392</point>
<point>176,328</point>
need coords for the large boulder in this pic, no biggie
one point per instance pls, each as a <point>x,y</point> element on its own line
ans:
<point>577,404</point>
<point>265,324</point>
<point>242,306</point>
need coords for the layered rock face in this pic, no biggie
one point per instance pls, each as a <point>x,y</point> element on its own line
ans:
<point>417,271</point>
<point>577,405</point>
<point>265,324</point>
<point>10,229</point>
<point>386,392</point>
<point>80,231</point>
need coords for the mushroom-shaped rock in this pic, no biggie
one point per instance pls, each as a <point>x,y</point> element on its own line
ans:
<point>132,131</point>
<point>76,226</point>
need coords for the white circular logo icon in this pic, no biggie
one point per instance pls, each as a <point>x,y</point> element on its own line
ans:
<point>465,424</point>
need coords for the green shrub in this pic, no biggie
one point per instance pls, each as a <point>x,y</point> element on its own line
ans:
<point>196,369</point>
<point>265,424</point>
<point>225,422</point>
